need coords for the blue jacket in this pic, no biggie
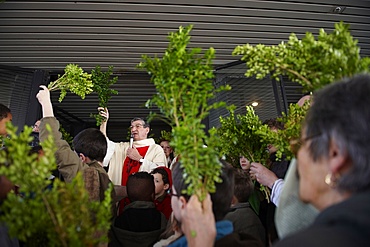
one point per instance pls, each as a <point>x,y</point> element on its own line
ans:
<point>223,228</point>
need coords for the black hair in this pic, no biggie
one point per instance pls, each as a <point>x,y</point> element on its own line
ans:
<point>243,187</point>
<point>164,174</point>
<point>140,187</point>
<point>221,199</point>
<point>274,123</point>
<point>91,143</point>
<point>36,149</point>
<point>4,111</point>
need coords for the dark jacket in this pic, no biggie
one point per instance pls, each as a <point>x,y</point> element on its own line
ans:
<point>245,220</point>
<point>341,225</point>
<point>140,224</point>
<point>238,240</point>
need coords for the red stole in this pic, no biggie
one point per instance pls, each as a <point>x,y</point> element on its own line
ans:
<point>131,166</point>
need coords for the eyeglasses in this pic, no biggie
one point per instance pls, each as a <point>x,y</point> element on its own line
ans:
<point>137,126</point>
<point>296,144</point>
<point>166,147</point>
<point>173,194</point>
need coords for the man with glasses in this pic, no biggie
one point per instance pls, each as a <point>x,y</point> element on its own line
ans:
<point>123,160</point>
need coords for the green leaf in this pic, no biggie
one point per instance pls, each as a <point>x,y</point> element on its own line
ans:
<point>74,80</point>
<point>42,216</point>
<point>183,80</point>
<point>311,62</point>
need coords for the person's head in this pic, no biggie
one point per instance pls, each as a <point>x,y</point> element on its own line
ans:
<point>334,158</point>
<point>221,199</point>
<point>5,116</point>
<point>90,144</point>
<point>35,127</point>
<point>37,150</point>
<point>173,227</point>
<point>243,187</point>
<point>139,129</point>
<point>244,163</point>
<point>274,125</point>
<point>166,147</point>
<point>140,187</point>
<point>162,180</point>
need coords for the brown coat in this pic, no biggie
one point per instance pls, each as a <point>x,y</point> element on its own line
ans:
<point>95,177</point>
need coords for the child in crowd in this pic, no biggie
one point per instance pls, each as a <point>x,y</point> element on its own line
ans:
<point>221,200</point>
<point>244,163</point>
<point>5,116</point>
<point>163,183</point>
<point>5,185</point>
<point>244,219</point>
<point>173,231</point>
<point>140,223</point>
<point>90,147</point>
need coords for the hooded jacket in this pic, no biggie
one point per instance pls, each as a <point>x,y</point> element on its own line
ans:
<point>120,237</point>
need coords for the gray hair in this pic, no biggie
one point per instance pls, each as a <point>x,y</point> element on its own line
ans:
<point>341,113</point>
<point>145,124</point>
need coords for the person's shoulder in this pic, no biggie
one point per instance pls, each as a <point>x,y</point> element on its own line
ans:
<point>122,144</point>
<point>238,239</point>
<point>155,146</point>
<point>321,236</point>
<point>103,175</point>
<point>151,142</point>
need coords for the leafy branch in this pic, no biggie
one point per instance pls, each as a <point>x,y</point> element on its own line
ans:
<point>292,131</point>
<point>183,80</point>
<point>310,62</point>
<point>46,213</point>
<point>238,135</point>
<point>74,80</point>
<point>101,85</point>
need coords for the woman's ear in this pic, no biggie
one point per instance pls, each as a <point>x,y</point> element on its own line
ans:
<point>338,159</point>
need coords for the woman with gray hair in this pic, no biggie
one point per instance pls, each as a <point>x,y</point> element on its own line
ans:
<point>334,166</point>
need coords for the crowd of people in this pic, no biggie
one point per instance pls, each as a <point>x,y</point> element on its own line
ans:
<point>317,199</point>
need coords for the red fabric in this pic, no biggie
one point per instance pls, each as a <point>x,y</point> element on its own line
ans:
<point>164,206</point>
<point>130,166</point>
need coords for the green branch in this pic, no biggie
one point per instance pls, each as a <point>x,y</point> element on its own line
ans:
<point>74,80</point>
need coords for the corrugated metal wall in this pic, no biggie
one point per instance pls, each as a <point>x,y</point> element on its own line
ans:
<point>50,34</point>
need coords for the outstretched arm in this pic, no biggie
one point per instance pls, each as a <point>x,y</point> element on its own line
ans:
<point>263,175</point>
<point>43,97</point>
<point>105,114</point>
<point>198,222</point>
<point>103,129</point>
<point>68,161</point>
